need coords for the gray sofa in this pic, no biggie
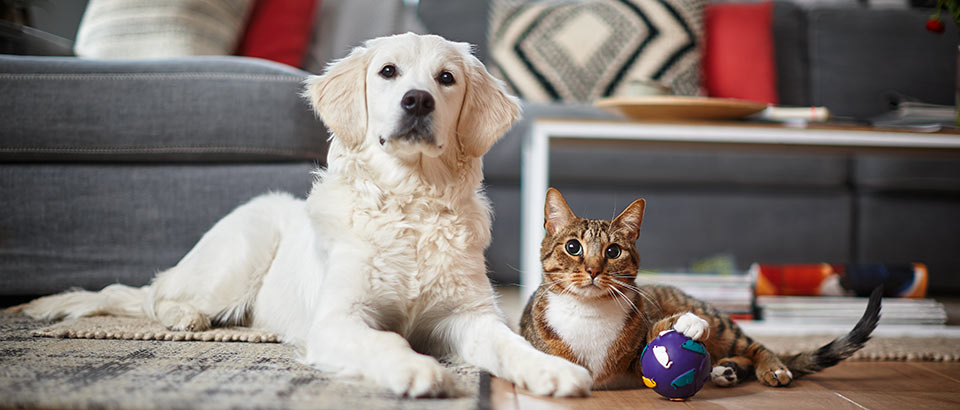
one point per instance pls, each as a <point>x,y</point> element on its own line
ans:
<point>111,171</point>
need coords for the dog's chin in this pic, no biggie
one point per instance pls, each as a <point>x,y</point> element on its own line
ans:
<point>412,142</point>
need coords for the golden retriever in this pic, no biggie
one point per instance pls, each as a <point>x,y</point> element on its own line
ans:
<point>382,265</point>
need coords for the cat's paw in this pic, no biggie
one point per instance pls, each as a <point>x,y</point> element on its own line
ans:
<point>417,376</point>
<point>692,326</point>
<point>552,376</point>
<point>724,376</point>
<point>775,376</point>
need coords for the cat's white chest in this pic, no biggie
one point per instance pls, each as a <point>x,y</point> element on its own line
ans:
<point>588,327</point>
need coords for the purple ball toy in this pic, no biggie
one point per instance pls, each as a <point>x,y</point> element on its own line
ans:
<point>674,365</point>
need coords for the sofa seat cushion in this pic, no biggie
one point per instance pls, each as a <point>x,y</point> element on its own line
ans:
<point>189,109</point>
<point>93,224</point>
<point>903,173</point>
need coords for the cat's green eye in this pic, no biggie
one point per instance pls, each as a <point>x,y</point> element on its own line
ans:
<point>613,251</point>
<point>573,247</point>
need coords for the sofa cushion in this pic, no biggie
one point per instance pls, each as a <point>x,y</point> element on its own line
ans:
<point>94,224</point>
<point>902,173</point>
<point>897,228</point>
<point>790,54</point>
<point>579,51</point>
<point>190,109</point>
<point>458,20</point>
<point>861,60</point>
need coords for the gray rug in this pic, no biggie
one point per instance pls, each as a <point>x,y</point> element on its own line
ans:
<point>150,374</point>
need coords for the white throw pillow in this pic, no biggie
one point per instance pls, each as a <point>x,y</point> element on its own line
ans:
<point>116,29</point>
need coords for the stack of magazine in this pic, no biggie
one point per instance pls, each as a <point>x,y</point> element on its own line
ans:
<point>731,294</point>
<point>843,310</point>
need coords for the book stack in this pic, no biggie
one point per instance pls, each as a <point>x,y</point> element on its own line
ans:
<point>834,310</point>
<point>731,294</point>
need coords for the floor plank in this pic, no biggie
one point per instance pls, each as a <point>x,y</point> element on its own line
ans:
<point>850,385</point>
<point>502,394</point>
<point>892,385</point>
<point>948,370</point>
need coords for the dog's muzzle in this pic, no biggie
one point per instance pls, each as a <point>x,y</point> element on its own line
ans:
<point>416,125</point>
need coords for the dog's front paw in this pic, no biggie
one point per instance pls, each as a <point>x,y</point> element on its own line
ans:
<point>552,376</point>
<point>417,376</point>
<point>692,326</point>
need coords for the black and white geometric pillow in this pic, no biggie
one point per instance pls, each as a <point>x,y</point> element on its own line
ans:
<point>579,51</point>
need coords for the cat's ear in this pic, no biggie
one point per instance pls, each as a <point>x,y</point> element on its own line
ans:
<point>628,222</point>
<point>556,213</point>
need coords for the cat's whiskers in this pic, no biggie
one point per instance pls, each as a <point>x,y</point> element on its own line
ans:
<point>641,292</point>
<point>626,299</point>
<point>626,285</point>
<point>648,299</point>
<point>614,297</point>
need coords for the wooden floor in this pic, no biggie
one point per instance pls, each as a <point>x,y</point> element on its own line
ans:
<point>849,385</point>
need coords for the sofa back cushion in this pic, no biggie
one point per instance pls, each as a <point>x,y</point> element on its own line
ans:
<point>863,60</point>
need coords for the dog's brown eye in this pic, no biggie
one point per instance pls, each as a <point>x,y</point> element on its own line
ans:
<point>446,78</point>
<point>388,71</point>
<point>613,251</point>
<point>573,247</point>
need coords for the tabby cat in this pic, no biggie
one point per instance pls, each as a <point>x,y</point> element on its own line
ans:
<point>590,310</point>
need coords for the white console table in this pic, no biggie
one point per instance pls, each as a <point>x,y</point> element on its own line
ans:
<point>536,156</point>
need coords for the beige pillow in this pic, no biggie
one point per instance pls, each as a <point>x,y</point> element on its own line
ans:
<point>115,29</point>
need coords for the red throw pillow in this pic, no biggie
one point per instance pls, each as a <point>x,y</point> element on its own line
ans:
<point>278,30</point>
<point>738,57</point>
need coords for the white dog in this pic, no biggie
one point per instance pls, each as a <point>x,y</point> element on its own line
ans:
<point>385,257</point>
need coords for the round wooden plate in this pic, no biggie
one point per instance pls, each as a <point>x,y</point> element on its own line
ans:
<point>680,108</point>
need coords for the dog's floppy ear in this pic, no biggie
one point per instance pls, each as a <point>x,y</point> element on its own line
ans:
<point>339,96</point>
<point>487,111</point>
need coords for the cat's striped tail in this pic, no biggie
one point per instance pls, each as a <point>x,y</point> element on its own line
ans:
<point>841,347</point>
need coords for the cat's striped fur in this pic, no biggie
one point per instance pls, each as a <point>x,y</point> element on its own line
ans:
<point>590,310</point>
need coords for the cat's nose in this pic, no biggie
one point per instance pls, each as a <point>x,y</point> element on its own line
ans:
<point>593,271</point>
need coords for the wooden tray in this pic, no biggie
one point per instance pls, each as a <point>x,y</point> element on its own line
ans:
<point>680,108</point>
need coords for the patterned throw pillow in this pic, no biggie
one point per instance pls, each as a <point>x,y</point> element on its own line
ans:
<point>160,29</point>
<point>579,51</point>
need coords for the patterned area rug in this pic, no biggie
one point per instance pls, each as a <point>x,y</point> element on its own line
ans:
<point>105,327</point>
<point>153,374</point>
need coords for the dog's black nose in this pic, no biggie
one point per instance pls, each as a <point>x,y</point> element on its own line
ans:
<point>417,102</point>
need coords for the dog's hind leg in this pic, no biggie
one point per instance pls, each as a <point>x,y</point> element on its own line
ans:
<point>218,280</point>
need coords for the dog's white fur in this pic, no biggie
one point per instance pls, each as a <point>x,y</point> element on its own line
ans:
<point>385,257</point>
